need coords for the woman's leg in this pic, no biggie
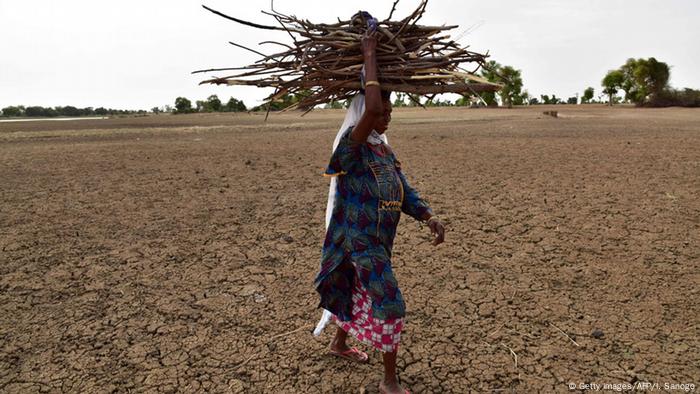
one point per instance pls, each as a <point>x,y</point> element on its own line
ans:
<point>390,384</point>
<point>339,343</point>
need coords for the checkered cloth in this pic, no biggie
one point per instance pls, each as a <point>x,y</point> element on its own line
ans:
<point>384,335</point>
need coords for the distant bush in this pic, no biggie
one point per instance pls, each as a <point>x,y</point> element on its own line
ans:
<point>545,99</point>
<point>676,98</point>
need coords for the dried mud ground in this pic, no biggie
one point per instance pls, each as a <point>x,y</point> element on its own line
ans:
<point>177,253</point>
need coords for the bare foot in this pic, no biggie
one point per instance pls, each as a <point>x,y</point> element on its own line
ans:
<point>391,388</point>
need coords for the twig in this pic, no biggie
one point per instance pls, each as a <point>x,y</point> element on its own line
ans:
<point>240,20</point>
<point>244,47</point>
<point>246,361</point>
<point>284,334</point>
<point>393,8</point>
<point>495,331</point>
<point>515,356</point>
<point>551,324</point>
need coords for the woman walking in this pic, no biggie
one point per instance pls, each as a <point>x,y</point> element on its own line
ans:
<point>368,193</point>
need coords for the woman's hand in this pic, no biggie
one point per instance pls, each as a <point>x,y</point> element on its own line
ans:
<point>369,44</point>
<point>438,230</point>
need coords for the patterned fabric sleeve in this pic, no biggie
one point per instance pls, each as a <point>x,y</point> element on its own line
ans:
<point>413,205</point>
<point>346,158</point>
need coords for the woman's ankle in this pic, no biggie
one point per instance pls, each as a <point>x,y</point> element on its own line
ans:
<point>394,382</point>
<point>339,343</point>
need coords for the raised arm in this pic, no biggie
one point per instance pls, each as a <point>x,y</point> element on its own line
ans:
<point>373,94</point>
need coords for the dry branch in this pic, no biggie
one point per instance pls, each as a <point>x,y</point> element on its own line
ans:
<point>324,61</point>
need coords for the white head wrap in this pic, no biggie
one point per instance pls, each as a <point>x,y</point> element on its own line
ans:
<point>352,116</point>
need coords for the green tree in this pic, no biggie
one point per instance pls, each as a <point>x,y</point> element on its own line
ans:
<point>335,104</point>
<point>183,105</point>
<point>235,105</point>
<point>68,110</point>
<point>33,111</point>
<point>213,104</point>
<point>438,103</point>
<point>284,101</point>
<point>553,100</point>
<point>572,100</point>
<point>413,100</point>
<point>464,101</point>
<point>399,100</point>
<point>644,79</point>
<point>300,95</point>
<point>587,95</point>
<point>522,99</point>
<point>612,83</point>
<point>490,72</point>
<point>512,84</point>
<point>280,103</point>
<point>13,111</point>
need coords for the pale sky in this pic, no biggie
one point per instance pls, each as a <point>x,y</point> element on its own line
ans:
<point>139,54</point>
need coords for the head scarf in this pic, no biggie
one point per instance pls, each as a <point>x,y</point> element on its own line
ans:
<point>352,116</point>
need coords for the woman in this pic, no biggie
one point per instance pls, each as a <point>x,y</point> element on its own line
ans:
<point>368,194</point>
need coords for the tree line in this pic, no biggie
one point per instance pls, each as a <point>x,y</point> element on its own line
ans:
<point>212,104</point>
<point>69,110</point>
<point>644,82</point>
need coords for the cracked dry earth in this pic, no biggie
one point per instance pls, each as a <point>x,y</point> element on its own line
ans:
<point>177,253</point>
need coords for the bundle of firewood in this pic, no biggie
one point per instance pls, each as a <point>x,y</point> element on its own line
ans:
<point>324,61</point>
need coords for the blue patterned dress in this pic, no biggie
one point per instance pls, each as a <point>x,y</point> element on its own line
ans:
<point>371,194</point>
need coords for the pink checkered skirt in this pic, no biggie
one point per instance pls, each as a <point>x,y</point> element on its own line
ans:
<point>384,335</point>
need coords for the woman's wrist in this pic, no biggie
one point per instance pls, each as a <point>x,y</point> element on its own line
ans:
<point>427,216</point>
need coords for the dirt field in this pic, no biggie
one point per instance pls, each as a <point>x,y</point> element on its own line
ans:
<point>177,253</point>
